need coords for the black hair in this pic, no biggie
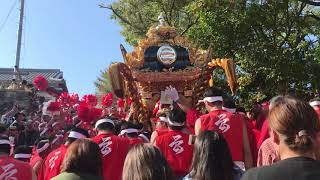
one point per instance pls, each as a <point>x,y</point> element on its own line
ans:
<point>177,116</point>
<point>19,113</point>
<point>3,128</point>
<point>241,109</point>
<point>78,130</point>
<point>213,92</point>
<point>229,103</point>
<point>41,143</point>
<point>5,148</point>
<point>105,127</point>
<point>68,127</point>
<point>211,158</point>
<point>23,150</point>
<point>140,126</point>
<point>41,139</point>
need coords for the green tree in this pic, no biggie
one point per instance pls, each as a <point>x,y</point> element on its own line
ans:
<point>274,43</point>
<point>103,85</point>
<point>136,17</point>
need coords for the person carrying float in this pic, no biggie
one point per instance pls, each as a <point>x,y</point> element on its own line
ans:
<point>226,123</point>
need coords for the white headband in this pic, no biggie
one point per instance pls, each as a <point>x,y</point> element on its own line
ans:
<point>4,141</point>
<point>144,137</point>
<point>163,119</point>
<point>42,124</point>
<point>128,131</point>
<point>232,110</point>
<point>78,124</point>
<point>43,148</point>
<point>103,121</point>
<point>212,99</point>
<point>44,131</point>
<point>76,135</point>
<point>55,123</point>
<point>314,103</point>
<point>22,156</point>
<point>175,123</point>
<point>58,136</point>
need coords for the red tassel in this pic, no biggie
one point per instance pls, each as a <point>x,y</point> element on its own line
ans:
<point>64,99</point>
<point>41,83</point>
<point>87,114</point>
<point>54,106</point>
<point>95,114</point>
<point>107,100</point>
<point>120,103</point>
<point>129,101</point>
<point>74,98</point>
<point>90,99</point>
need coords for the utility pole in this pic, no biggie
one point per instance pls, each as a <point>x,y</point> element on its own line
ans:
<point>19,38</point>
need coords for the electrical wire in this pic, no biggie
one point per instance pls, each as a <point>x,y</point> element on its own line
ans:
<point>8,15</point>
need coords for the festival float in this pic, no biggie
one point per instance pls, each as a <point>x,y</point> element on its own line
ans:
<point>164,59</point>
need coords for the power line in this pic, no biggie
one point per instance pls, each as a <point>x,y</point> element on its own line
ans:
<point>8,15</point>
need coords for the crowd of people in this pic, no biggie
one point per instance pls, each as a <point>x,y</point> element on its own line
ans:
<point>277,139</point>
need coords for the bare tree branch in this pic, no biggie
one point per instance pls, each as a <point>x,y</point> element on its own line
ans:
<point>118,15</point>
<point>171,9</point>
<point>192,23</point>
<point>312,15</point>
<point>313,3</point>
<point>302,6</point>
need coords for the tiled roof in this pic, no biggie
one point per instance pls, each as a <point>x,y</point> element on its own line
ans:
<point>7,74</point>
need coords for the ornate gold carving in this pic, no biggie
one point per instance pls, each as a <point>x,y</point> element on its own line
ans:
<point>144,86</point>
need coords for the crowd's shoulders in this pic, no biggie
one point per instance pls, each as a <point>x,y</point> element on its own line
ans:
<point>164,135</point>
<point>159,139</point>
<point>285,169</point>
<point>76,176</point>
<point>53,153</point>
<point>257,173</point>
<point>21,163</point>
<point>237,176</point>
<point>10,159</point>
<point>203,116</point>
<point>23,166</point>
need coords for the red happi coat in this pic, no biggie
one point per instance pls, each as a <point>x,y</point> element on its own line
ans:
<point>35,158</point>
<point>11,169</point>
<point>230,126</point>
<point>174,146</point>
<point>114,150</point>
<point>53,162</point>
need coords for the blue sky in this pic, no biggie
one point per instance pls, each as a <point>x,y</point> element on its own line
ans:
<point>75,36</point>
